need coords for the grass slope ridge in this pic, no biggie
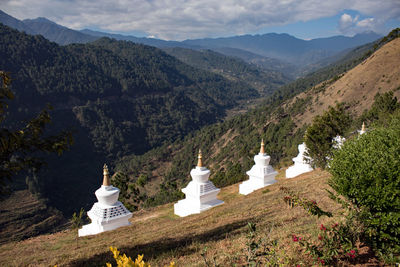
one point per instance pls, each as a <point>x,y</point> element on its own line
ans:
<point>163,237</point>
<point>22,216</point>
<point>377,74</point>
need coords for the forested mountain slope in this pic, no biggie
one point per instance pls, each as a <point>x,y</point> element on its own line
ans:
<point>117,98</point>
<point>57,33</point>
<point>231,68</point>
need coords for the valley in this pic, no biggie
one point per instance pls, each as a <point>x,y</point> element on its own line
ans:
<point>146,106</point>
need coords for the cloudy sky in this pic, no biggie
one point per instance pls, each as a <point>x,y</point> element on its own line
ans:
<point>188,19</point>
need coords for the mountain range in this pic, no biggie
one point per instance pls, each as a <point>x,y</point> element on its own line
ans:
<point>269,50</point>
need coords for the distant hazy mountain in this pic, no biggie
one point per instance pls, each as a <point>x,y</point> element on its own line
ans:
<point>57,33</point>
<point>266,63</point>
<point>142,40</point>
<point>15,23</point>
<point>272,51</point>
<point>286,47</point>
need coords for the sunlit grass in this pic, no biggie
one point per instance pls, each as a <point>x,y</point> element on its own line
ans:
<point>164,237</point>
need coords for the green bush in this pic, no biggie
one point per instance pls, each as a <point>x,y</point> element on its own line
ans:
<point>318,138</point>
<point>366,171</point>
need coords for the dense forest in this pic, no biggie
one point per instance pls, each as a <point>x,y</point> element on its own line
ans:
<point>116,97</point>
<point>266,82</point>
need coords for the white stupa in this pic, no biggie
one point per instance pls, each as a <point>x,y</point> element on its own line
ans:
<point>260,175</point>
<point>108,213</point>
<point>338,141</point>
<point>300,163</point>
<point>362,131</point>
<point>201,194</point>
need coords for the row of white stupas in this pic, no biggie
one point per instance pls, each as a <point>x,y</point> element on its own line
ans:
<point>200,194</point>
<point>301,161</point>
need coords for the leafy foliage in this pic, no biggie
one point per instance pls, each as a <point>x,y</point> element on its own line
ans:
<point>366,172</point>
<point>335,242</point>
<point>324,128</point>
<point>129,193</point>
<point>19,147</point>
<point>77,221</point>
<point>293,199</point>
<point>384,104</point>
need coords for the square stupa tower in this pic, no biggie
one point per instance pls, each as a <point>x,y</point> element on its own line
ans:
<point>260,175</point>
<point>300,163</point>
<point>200,193</point>
<point>108,213</point>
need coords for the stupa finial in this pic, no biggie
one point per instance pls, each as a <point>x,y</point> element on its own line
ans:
<point>106,176</point>
<point>200,159</point>
<point>363,127</point>
<point>262,148</point>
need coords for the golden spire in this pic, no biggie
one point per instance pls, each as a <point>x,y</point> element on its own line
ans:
<point>200,161</point>
<point>363,127</point>
<point>262,149</point>
<point>106,176</point>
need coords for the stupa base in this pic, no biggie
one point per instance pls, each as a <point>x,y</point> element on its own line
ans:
<point>95,228</point>
<point>251,185</point>
<point>187,207</point>
<point>297,169</point>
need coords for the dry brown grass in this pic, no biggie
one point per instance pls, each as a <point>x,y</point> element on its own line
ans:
<point>378,73</point>
<point>22,215</point>
<point>163,237</point>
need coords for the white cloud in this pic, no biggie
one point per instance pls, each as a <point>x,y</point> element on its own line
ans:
<point>181,19</point>
<point>349,26</point>
<point>345,22</point>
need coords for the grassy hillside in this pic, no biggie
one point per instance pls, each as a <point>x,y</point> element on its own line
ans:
<point>377,74</point>
<point>23,216</point>
<point>219,233</point>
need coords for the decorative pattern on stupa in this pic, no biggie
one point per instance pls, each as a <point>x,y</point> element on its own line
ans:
<point>260,175</point>
<point>300,163</point>
<point>108,213</point>
<point>200,193</point>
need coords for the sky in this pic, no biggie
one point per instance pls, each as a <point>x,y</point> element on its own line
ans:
<point>191,19</point>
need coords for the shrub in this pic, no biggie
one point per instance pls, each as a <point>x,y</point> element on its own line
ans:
<point>335,243</point>
<point>125,261</point>
<point>318,137</point>
<point>366,171</point>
